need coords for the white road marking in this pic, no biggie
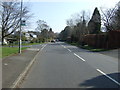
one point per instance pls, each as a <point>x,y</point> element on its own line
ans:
<point>43,47</point>
<point>5,64</point>
<point>33,49</point>
<point>69,50</point>
<point>108,76</point>
<point>79,57</point>
<point>63,46</point>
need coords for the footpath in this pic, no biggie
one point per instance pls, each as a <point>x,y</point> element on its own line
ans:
<point>14,66</point>
<point>112,53</point>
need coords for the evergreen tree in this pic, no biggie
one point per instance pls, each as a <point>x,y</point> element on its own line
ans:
<point>94,24</point>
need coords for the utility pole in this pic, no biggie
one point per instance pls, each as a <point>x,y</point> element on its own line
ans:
<point>20,41</point>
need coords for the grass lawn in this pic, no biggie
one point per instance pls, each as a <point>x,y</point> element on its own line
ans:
<point>25,44</point>
<point>6,51</point>
<point>0,52</point>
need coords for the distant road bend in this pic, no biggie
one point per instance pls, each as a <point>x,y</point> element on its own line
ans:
<point>59,65</point>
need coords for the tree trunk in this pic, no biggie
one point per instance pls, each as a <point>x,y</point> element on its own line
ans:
<point>2,41</point>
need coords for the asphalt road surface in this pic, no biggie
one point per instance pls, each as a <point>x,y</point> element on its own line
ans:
<point>59,65</point>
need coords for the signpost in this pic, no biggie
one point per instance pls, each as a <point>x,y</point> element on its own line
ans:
<point>23,23</point>
<point>20,29</point>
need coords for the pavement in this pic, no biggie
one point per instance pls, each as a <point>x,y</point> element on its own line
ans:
<point>14,65</point>
<point>112,53</point>
<point>60,65</point>
<point>0,74</point>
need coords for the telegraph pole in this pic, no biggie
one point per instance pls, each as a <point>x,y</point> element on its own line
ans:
<point>20,41</point>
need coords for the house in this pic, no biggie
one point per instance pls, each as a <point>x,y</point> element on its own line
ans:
<point>30,35</point>
<point>4,42</point>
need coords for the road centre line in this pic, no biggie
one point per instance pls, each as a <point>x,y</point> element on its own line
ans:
<point>69,50</point>
<point>66,47</point>
<point>74,54</point>
<point>96,69</point>
<point>79,57</point>
<point>108,76</point>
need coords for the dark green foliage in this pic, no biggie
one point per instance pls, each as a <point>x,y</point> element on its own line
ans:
<point>94,25</point>
<point>66,33</point>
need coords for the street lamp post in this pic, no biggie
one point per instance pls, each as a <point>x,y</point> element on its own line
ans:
<point>20,41</point>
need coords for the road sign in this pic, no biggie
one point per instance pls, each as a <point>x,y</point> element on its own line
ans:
<point>23,23</point>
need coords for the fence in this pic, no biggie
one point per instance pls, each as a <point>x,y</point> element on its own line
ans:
<point>109,40</point>
<point>114,39</point>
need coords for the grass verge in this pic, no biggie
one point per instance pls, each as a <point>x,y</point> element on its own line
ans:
<point>7,51</point>
<point>89,48</point>
<point>93,49</point>
<point>75,44</point>
<point>24,44</point>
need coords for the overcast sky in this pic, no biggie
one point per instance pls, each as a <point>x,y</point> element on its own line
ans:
<point>56,12</point>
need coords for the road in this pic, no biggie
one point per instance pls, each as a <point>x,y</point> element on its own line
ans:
<point>59,65</point>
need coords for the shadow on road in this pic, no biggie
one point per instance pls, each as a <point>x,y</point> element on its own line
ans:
<point>102,81</point>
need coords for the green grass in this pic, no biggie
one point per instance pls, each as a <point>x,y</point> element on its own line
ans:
<point>7,51</point>
<point>97,50</point>
<point>0,52</point>
<point>75,44</point>
<point>25,44</point>
<point>93,49</point>
<point>89,48</point>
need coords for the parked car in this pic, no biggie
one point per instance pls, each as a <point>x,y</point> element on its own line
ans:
<point>53,41</point>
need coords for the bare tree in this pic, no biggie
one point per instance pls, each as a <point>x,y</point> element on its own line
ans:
<point>107,18</point>
<point>41,24</point>
<point>11,17</point>
<point>116,18</point>
<point>78,23</point>
<point>70,22</point>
